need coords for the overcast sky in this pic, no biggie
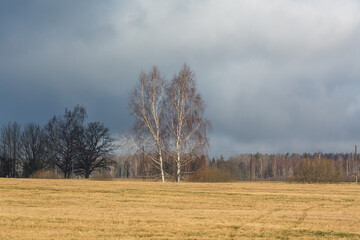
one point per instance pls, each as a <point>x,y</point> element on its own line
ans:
<point>276,76</point>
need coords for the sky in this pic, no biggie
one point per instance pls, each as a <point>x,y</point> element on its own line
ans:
<point>276,76</point>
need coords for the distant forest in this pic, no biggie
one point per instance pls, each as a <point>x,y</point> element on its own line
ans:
<point>69,147</point>
<point>243,167</point>
<point>72,149</point>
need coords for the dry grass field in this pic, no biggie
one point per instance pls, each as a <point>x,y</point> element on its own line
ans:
<point>86,209</point>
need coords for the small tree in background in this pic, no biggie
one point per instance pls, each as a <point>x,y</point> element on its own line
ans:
<point>94,148</point>
<point>10,144</point>
<point>34,149</point>
<point>62,133</point>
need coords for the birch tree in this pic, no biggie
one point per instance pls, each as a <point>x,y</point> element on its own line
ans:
<point>186,123</point>
<point>146,105</point>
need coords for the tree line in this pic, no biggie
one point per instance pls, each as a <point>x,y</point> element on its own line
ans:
<point>307,167</point>
<point>281,167</point>
<point>66,144</point>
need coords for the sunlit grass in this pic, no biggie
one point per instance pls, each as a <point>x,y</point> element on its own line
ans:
<point>84,209</point>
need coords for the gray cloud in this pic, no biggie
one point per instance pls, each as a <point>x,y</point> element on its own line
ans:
<point>276,77</point>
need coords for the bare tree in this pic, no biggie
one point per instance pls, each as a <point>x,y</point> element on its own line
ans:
<point>146,105</point>
<point>10,149</point>
<point>186,123</point>
<point>62,133</point>
<point>34,150</point>
<point>94,147</point>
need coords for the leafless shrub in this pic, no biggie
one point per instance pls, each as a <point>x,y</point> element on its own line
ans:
<point>102,177</point>
<point>46,174</point>
<point>212,175</point>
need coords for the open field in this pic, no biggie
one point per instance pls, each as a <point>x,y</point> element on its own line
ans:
<point>85,209</point>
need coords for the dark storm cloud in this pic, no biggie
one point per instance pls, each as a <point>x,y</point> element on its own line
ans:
<point>51,58</point>
<point>276,77</point>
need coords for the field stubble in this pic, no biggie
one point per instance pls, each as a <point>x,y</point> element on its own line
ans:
<point>85,209</point>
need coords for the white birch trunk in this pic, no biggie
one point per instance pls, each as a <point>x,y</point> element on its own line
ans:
<point>178,164</point>
<point>162,168</point>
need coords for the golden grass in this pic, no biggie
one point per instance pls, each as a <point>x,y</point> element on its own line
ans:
<point>83,209</point>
